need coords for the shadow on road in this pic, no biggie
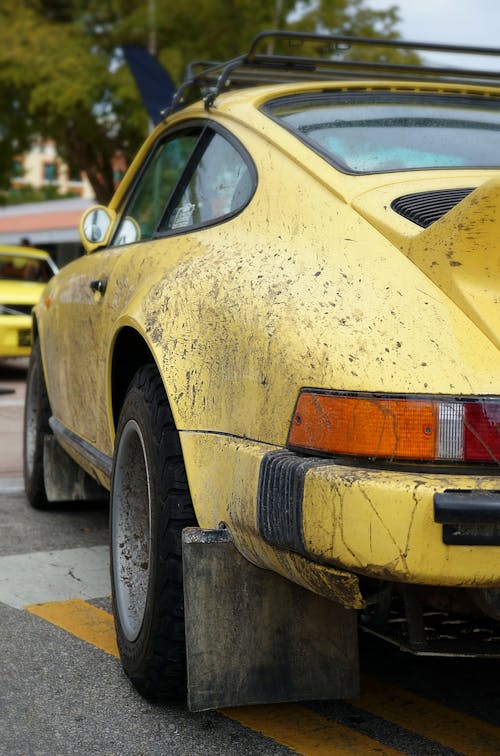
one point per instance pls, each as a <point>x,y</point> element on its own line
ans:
<point>13,370</point>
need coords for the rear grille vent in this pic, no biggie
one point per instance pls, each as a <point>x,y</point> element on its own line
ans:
<point>424,208</point>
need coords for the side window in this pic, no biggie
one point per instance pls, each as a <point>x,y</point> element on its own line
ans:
<point>220,183</point>
<point>144,210</point>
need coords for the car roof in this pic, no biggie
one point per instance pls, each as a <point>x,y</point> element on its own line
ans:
<point>281,57</point>
<point>22,251</point>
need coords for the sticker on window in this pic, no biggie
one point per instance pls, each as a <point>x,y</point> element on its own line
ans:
<point>183,216</point>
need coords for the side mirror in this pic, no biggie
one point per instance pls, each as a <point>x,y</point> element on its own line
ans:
<point>96,227</point>
<point>129,231</point>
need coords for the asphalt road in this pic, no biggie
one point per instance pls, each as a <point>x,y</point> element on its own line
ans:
<point>63,692</point>
<point>58,693</point>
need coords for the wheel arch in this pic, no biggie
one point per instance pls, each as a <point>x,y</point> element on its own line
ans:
<point>34,327</point>
<point>130,352</point>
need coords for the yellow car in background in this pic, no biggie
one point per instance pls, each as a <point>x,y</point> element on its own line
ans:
<point>286,332</point>
<point>24,271</point>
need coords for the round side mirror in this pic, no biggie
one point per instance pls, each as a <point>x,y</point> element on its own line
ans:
<point>128,232</point>
<point>95,227</point>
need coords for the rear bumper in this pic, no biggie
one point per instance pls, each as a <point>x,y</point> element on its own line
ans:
<point>284,510</point>
<point>387,524</point>
<point>15,335</point>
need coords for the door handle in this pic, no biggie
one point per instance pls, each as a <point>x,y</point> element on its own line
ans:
<point>99,285</point>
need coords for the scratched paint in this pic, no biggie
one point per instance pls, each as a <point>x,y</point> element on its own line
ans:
<point>382,523</point>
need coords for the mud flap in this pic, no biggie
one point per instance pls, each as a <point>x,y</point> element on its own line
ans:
<point>64,479</point>
<point>254,637</point>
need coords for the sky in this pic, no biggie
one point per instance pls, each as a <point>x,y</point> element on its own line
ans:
<point>462,22</point>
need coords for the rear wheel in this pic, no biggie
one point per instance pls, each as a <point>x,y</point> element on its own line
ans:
<point>36,427</point>
<point>150,506</point>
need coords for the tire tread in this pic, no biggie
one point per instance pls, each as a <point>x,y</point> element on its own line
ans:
<point>161,673</point>
<point>34,483</point>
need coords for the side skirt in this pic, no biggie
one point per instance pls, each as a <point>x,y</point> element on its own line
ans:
<point>96,464</point>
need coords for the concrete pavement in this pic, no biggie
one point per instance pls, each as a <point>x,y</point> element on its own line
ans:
<point>12,392</point>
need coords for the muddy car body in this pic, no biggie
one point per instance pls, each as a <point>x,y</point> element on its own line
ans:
<point>294,296</point>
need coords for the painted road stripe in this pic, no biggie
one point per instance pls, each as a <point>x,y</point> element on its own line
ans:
<point>11,403</point>
<point>11,485</point>
<point>87,622</point>
<point>54,575</point>
<point>433,720</point>
<point>299,728</point>
<point>305,732</point>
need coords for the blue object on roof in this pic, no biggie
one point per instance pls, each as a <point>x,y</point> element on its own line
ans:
<point>153,81</point>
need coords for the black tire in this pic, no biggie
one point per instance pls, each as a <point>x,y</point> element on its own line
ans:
<point>35,428</point>
<point>150,506</point>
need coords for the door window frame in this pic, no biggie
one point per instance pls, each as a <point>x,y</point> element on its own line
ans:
<point>207,129</point>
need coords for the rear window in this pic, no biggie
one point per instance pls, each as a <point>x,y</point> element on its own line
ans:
<point>378,132</point>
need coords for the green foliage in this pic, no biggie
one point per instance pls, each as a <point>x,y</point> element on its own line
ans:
<point>62,77</point>
<point>28,193</point>
<point>66,88</point>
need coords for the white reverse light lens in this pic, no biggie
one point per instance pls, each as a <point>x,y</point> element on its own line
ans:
<point>450,431</point>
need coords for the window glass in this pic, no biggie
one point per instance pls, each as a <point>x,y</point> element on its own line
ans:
<point>220,184</point>
<point>17,168</point>
<point>378,131</point>
<point>49,171</point>
<point>150,197</point>
<point>18,268</point>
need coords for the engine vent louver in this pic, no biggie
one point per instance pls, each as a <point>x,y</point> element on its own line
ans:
<point>424,208</point>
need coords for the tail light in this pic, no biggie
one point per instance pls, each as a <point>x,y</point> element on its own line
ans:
<point>397,427</point>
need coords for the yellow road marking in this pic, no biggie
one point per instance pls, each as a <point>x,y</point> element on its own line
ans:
<point>299,728</point>
<point>433,720</point>
<point>294,726</point>
<point>87,622</point>
<point>305,732</point>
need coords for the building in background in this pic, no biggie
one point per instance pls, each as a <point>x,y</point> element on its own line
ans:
<point>43,168</point>
<point>52,223</point>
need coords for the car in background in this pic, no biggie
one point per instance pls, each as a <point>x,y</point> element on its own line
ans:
<point>286,332</point>
<point>24,272</point>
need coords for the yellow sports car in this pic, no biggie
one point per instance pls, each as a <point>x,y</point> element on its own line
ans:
<point>24,271</point>
<point>285,334</point>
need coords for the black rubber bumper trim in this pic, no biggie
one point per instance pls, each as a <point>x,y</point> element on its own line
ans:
<point>467,506</point>
<point>279,498</point>
<point>469,518</point>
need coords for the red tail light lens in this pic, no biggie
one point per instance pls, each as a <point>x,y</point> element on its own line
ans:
<point>482,431</point>
<point>397,427</point>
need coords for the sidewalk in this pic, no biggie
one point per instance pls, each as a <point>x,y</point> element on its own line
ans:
<point>12,391</point>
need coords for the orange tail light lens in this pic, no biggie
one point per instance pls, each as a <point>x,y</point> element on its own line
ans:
<point>388,427</point>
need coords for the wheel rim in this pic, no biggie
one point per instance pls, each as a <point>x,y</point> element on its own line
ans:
<point>131,530</point>
<point>31,421</point>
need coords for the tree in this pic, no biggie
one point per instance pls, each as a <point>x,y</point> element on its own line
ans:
<point>66,88</point>
<point>62,76</point>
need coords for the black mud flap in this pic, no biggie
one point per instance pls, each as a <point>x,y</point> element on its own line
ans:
<point>254,637</point>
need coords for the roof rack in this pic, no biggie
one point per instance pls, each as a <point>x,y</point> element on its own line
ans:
<point>261,65</point>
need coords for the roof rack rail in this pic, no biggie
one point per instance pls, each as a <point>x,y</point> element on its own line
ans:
<point>261,65</point>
